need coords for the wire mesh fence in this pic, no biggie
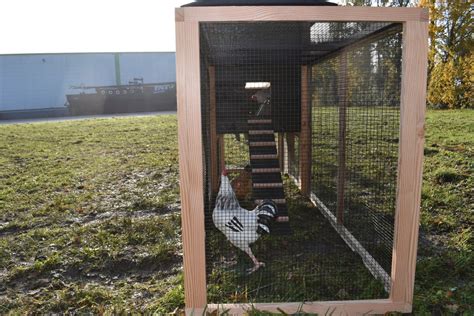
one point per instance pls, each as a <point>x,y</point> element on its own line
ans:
<point>265,239</point>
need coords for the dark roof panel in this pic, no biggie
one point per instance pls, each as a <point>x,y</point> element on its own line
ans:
<point>280,42</point>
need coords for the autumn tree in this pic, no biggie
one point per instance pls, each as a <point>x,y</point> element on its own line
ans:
<point>451,60</point>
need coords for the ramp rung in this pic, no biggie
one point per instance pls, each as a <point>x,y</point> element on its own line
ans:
<point>261,132</point>
<point>267,185</point>
<point>265,170</point>
<point>262,144</point>
<point>269,156</point>
<point>282,219</point>
<point>261,121</point>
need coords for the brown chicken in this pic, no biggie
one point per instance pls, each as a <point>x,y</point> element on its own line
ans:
<point>242,184</point>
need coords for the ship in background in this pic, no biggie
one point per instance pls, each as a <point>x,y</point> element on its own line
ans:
<point>135,97</point>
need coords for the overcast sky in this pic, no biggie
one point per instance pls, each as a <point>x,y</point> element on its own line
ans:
<point>66,26</point>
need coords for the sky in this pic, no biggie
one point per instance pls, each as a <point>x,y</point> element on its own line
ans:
<point>76,26</point>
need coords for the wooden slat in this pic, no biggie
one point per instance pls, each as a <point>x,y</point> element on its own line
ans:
<point>410,161</point>
<point>265,170</point>
<point>282,219</point>
<point>259,121</point>
<point>269,156</point>
<point>341,156</point>
<point>262,144</point>
<point>281,151</point>
<point>190,162</point>
<point>305,134</point>
<point>214,172</point>
<point>221,145</point>
<point>267,185</point>
<point>303,13</point>
<point>261,132</point>
<point>290,151</point>
<point>355,307</point>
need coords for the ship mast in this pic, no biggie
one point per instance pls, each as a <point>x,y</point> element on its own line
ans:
<point>118,80</point>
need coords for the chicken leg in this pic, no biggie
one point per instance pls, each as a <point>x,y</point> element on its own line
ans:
<point>256,263</point>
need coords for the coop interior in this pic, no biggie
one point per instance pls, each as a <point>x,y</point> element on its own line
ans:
<point>305,114</point>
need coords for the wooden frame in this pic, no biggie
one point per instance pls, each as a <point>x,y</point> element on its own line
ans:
<point>213,130</point>
<point>341,155</point>
<point>305,135</point>
<point>414,65</point>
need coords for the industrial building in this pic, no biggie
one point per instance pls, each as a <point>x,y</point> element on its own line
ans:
<point>36,85</point>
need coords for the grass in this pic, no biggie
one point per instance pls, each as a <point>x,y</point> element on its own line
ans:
<point>445,277</point>
<point>89,218</point>
<point>312,263</point>
<point>370,174</point>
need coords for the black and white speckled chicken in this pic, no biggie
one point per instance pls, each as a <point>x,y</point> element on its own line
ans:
<point>242,227</point>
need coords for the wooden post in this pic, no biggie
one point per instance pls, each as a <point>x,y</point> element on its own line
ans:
<point>410,160</point>
<point>305,135</point>
<point>290,148</point>
<point>221,141</point>
<point>214,172</point>
<point>281,151</point>
<point>191,162</point>
<point>341,157</point>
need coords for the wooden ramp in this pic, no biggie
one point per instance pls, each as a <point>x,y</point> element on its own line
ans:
<point>266,172</point>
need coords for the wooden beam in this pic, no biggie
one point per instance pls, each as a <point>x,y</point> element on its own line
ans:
<point>266,170</point>
<point>214,172</point>
<point>281,151</point>
<point>191,163</point>
<point>410,160</point>
<point>305,134</point>
<point>355,307</point>
<point>290,149</point>
<point>341,156</point>
<point>221,145</point>
<point>303,13</point>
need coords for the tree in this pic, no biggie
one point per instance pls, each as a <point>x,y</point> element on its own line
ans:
<point>451,60</point>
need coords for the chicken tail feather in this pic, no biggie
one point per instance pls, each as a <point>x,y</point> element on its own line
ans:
<point>266,213</point>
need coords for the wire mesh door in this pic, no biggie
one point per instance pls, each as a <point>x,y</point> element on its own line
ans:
<point>300,133</point>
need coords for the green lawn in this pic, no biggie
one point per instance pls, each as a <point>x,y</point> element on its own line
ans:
<point>89,216</point>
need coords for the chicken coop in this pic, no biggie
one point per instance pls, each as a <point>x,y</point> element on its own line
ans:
<point>301,130</point>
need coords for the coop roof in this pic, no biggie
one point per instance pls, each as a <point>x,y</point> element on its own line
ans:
<point>287,42</point>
